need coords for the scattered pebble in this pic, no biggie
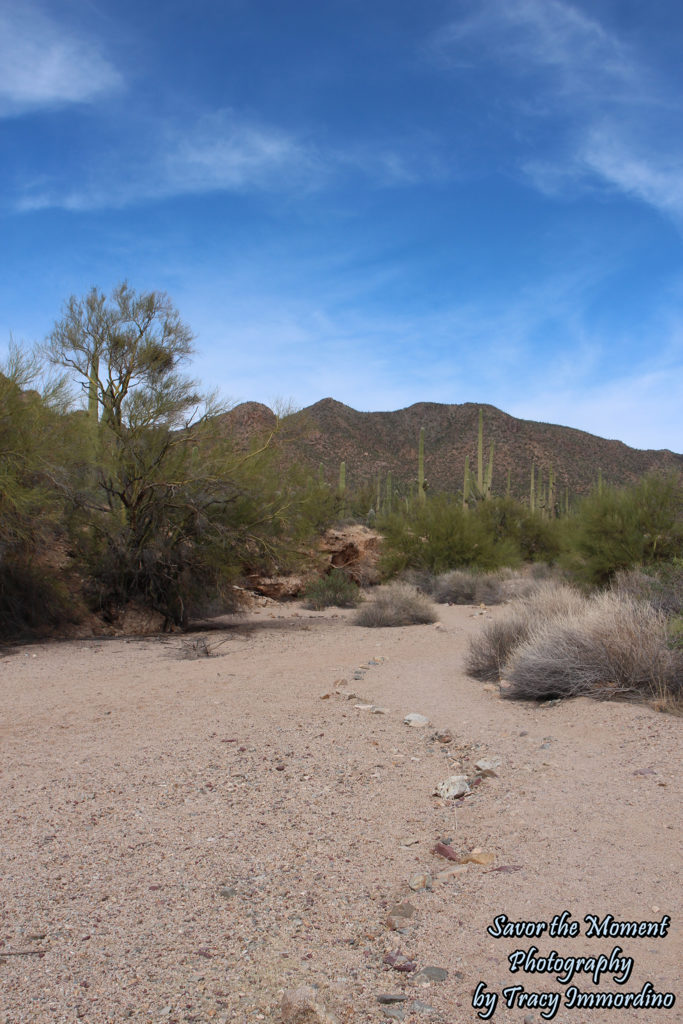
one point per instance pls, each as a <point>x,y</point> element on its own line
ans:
<point>452,787</point>
<point>431,974</point>
<point>478,856</point>
<point>420,881</point>
<point>415,720</point>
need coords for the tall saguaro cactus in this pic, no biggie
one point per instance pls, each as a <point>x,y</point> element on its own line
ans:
<point>489,474</point>
<point>342,488</point>
<point>480,454</point>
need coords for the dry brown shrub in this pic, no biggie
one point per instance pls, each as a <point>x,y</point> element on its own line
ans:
<point>489,651</point>
<point>615,646</point>
<point>396,605</point>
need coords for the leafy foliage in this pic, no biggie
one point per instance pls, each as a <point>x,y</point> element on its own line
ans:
<point>335,589</point>
<point>616,529</point>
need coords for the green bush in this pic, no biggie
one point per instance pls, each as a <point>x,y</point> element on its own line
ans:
<point>334,590</point>
<point>616,529</point>
<point>32,602</point>
<point>440,535</point>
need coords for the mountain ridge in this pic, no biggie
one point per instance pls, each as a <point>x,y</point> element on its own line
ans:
<point>375,443</point>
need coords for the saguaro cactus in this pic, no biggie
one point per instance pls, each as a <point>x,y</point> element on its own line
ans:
<point>421,492</point>
<point>480,454</point>
<point>489,474</point>
<point>342,488</point>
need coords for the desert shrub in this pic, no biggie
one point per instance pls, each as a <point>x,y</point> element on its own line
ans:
<point>32,602</point>
<point>461,586</point>
<point>396,605</point>
<point>422,579</point>
<point>489,652</point>
<point>674,631</point>
<point>440,535</point>
<point>614,647</point>
<point>334,590</point>
<point>616,529</point>
<point>455,587</point>
<point>540,539</point>
<point>661,586</point>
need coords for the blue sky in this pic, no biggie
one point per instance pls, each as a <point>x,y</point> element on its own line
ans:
<point>376,200</point>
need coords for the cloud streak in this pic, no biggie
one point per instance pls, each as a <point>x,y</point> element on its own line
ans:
<point>618,128</point>
<point>45,65</point>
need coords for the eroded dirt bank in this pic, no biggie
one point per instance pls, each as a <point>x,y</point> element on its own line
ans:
<point>183,840</point>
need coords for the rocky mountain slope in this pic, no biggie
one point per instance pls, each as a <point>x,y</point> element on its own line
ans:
<point>372,443</point>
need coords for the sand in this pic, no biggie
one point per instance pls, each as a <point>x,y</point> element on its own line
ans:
<point>187,838</point>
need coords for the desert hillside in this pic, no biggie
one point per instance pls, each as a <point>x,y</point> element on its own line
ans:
<point>373,443</point>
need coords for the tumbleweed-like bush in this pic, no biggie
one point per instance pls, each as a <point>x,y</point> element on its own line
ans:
<point>490,651</point>
<point>614,646</point>
<point>464,586</point>
<point>396,605</point>
<point>335,590</point>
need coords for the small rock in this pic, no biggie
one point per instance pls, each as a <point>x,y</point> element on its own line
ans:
<point>478,856</point>
<point>391,997</point>
<point>325,696</point>
<point>417,1006</point>
<point>449,873</point>
<point>400,962</point>
<point>376,710</point>
<point>410,840</point>
<point>363,707</point>
<point>415,720</point>
<point>446,736</point>
<point>452,787</point>
<point>227,891</point>
<point>487,767</point>
<point>420,881</point>
<point>301,1006</point>
<point>431,974</point>
<point>444,850</point>
<point>399,915</point>
<point>394,1012</point>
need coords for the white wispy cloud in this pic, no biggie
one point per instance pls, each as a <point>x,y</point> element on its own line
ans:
<point>45,64</point>
<point>221,151</point>
<point>217,152</point>
<point>641,409</point>
<point>615,124</point>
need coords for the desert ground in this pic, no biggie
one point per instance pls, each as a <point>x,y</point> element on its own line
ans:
<point>194,838</point>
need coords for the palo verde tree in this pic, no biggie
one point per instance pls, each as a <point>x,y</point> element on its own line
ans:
<point>169,509</point>
<point>34,460</point>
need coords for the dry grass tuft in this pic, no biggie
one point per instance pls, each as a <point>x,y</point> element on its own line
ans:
<point>614,646</point>
<point>490,651</point>
<point>399,604</point>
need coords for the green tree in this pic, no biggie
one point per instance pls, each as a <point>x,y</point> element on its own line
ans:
<point>617,528</point>
<point>35,456</point>
<point>170,509</point>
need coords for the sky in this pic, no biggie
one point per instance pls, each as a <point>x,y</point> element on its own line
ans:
<point>378,201</point>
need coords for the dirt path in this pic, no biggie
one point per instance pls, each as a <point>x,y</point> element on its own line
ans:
<point>184,840</point>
